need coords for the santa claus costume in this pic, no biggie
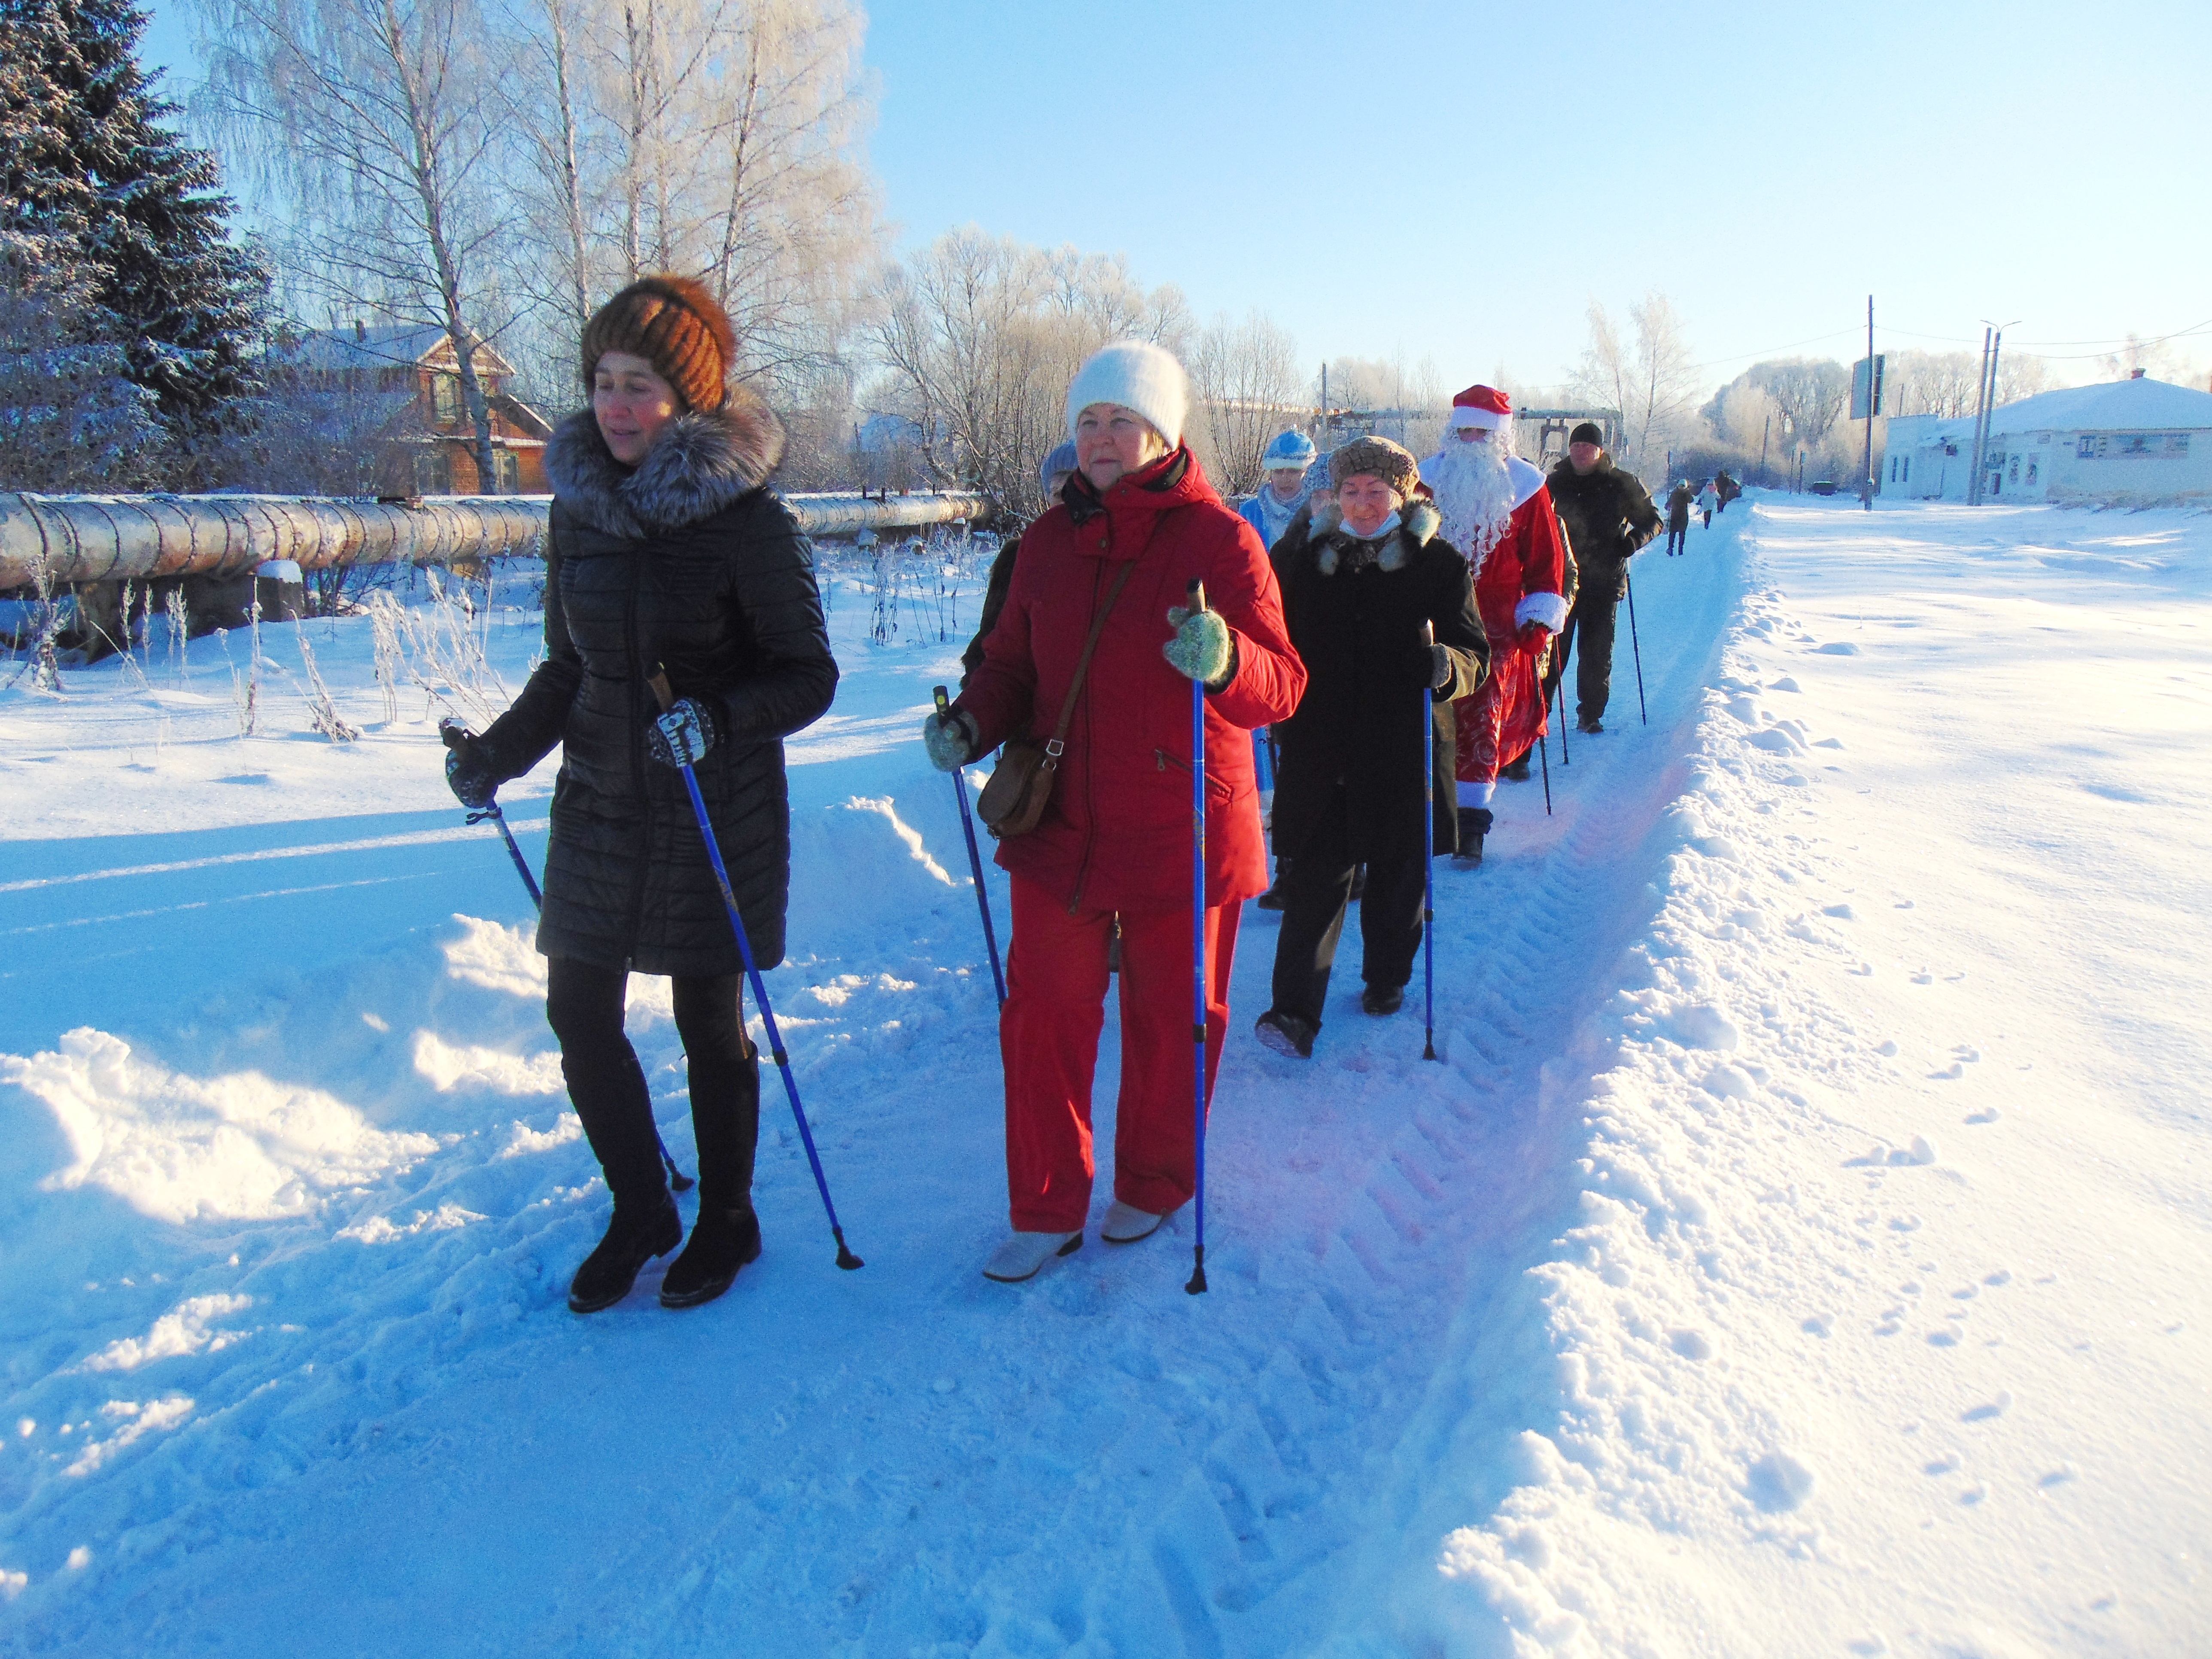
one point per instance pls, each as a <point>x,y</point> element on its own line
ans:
<point>1495,505</point>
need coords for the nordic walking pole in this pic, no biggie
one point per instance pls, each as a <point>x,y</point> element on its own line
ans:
<point>974,858</point>
<point>846,1259</point>
<point>1429,856</point>
<point>1559,691</point>
<point>1196,596</point>
<point>677,1178</point>
<point>1629,587</point>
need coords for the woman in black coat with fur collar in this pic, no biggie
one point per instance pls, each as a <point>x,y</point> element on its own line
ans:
<point>1359,579</point>
<point>666,551</point>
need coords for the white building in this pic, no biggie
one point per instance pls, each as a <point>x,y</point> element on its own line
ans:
<point>2125,443</point>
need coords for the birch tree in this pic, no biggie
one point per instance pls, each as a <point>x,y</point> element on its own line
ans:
<point>379,118</point>
<point>1245,379</point>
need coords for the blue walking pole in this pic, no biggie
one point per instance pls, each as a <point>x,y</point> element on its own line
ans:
<point>1429,858</point>
<point>974,858</point>
<point>846,1259</point>
<point>449,728</point>
<point>1197,1284</point>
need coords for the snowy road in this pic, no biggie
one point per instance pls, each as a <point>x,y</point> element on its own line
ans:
<point>1797,1252</point>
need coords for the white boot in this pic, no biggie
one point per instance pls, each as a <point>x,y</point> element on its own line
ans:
<point>1125,1223</point>
<point>1022,1254</point>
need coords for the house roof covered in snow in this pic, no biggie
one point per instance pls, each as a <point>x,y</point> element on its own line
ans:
<point>383,346</point>
<point>2114,406</point>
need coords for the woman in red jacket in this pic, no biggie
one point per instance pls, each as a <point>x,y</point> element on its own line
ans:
<point>1134,528</point>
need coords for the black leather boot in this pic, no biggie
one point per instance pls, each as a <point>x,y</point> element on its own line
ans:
<point>722,1241</point>
<point>1475,824</point>
<point>634,1237</point>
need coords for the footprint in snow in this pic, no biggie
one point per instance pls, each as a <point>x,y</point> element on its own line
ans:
<point>2000,1276</point>
<point>1836,648</point>
<point>1994,1408</point>
<point>1954,1069</point>
<point>1987,1115</point>
<point>1690,1345</point>
<point>1778,1482</point>
<point>1942,1338</point>
<point>1949,1463</point>
<point>1819,1324</point>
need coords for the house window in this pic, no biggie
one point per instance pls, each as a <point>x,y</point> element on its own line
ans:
<point>433,471</point>
<point>2015,469</point>
<point>445,399</point>
<point>2030,471</point>
<point>507,470</point>
<point>2089,446</point>
<point>1908,469</point>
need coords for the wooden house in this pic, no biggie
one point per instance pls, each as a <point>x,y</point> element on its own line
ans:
<point>401,385</point>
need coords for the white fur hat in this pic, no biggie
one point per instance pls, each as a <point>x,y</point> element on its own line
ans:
<point>1138,376</point>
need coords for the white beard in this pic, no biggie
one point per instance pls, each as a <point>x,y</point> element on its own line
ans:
<point>1473,489</point>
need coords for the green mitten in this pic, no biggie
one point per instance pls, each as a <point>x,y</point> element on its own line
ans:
<point>1201,647</point>
<point>951,743</point>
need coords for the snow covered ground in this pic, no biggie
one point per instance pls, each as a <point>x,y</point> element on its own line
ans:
<point>1800,1249</point>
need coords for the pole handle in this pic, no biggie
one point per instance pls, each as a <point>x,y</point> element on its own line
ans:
<point>659,681</point>
<point>943,702</point>
<point>1196,594</point>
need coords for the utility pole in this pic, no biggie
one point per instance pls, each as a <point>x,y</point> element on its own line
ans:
<point>1873,408</point>
<point>1324,409</point>
<point>1981,415</point>
<point>1765,432</point>
<point>1993,342</point>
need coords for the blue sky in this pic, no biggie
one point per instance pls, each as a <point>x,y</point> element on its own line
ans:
<point>1458,181</point>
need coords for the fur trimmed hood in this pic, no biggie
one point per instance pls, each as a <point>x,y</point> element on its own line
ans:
<point>1418,522</point>
<point>702,462</point>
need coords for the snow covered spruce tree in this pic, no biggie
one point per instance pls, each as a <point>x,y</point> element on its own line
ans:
<point>121,227</point>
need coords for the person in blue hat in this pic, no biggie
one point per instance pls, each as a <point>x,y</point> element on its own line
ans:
<point>1285,460</point>
<point>1058,466</point>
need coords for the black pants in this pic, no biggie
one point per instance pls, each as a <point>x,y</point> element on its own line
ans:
<point>1316,895</point>
<point>1589,631</point>
<point>584,1005</point>
<point>1678,538</point>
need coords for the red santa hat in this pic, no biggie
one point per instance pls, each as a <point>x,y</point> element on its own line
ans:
<point>1481,406</point>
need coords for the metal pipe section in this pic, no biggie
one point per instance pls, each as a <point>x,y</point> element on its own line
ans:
<point>68,540</point>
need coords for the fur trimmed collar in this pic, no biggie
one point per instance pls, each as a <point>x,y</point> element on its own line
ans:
<point>1416,523</point>
<point>701,464</point>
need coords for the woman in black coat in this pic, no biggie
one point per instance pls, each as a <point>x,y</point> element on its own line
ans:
<point>667,552</point>
<point>1360,577</point>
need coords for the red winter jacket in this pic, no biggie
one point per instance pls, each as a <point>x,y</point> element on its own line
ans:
<point>1117,834</point>
<point>1522,579</point>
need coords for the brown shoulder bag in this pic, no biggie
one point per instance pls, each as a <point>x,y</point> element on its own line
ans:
<point>1015,797</point>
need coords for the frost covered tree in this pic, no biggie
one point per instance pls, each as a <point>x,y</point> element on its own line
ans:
<point>1247,386</point>
<point>1648,377</point>
<point>980,335</point>
<point>380,122</point>
<point>95,182</point>
<point>719,138</point>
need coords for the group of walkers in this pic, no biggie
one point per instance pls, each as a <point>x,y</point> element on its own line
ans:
<point>685,639</point>
<point>1710,497</point>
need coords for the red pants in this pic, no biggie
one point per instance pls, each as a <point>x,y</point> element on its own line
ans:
<point>1048,1039</point>
<point>1502,718</point>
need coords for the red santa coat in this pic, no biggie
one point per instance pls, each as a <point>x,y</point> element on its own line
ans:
<point>1116,835</point>
<point>1521,580</point>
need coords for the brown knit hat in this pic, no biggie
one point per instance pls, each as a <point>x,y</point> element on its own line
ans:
<point>674,324</point>
<point>1392,463</point>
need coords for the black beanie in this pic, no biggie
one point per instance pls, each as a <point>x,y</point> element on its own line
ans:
<point>1588,433</point>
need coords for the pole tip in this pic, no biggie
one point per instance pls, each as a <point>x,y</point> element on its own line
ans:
<point>1197,1284</point>
<point>847,1261</point>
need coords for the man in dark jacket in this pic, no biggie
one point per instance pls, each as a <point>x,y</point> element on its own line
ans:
<point>1678,519</point>
<point>1607,516</point>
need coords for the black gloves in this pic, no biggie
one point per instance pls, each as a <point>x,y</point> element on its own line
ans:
<point>469,771</point>
<point>683,736</point>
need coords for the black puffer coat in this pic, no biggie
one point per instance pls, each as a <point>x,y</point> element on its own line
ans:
<point>1358,632</point>
<point>1607,515</point>
<point>689,561</point>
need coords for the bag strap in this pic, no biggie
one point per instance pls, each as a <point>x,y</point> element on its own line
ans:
<point>1058,742</point>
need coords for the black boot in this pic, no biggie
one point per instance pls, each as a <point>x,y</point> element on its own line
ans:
<point>1273,898</point>
<point>1517,771</point>
<point>722,1242</point>
<point>1475,824</point>
<point>634,1237</point>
